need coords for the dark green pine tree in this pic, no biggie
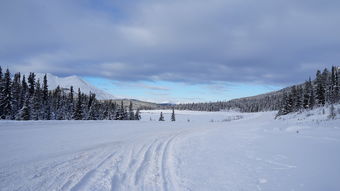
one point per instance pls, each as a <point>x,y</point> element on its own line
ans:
<point>36,103</point>
<point>23,92</point>
<point>2,97</point>
<point>320,89</point>
<point>312,99</point>
<point>308,103</point>
<point>31,84</point>
<point>46,108</point>
<point>78,112</point>
<point>137,115</point>
<point>334,86</point>
<point>70,104</point>
<point>0,73</point>
<point>161,117</point>
<point>6,100</point>
<point>121,113</point>
<point>131,113</point>
<point>287,104</point>
<point>173,118</point>
<point>16,94</point>
<point>294,98</point>
<point>299,98</point>
<point>45,90</point>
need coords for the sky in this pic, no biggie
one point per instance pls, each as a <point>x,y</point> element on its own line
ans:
<point>173,50</point>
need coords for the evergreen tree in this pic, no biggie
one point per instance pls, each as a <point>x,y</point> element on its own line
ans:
<point>307,94</point>
<point>131,114</point>
<point>173,115</point>
<point>320,89</point>
<point>31,84</point>
<point>161,117</point>
<point>137,115</point>
<point>45,90</point>
<point>312,99</point>
<point>70,104</point>
<point>1,73</point>
<point>294,96</point>
<point>78,112</point>
<point>334,86</point>
<point>16,94</point>
<point>6,97</point>
<point>37,103</point>
<point>326,83</point>
<point>57,104</point>
<point>23,91</point>
<point>2,96</point>
<point>299,98</point>
<point>121,113</point>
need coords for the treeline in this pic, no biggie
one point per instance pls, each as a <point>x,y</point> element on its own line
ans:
<point>30,99</point>
<point>324,89</point>
<point>251,104</point>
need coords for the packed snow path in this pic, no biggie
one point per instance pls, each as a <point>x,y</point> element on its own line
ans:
<point>214,151</point>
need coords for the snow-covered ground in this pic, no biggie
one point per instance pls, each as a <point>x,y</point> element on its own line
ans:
<point>200,151</point>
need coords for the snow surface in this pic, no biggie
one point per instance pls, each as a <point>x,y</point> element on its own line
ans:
<point>200,151</point>
<point>75,81</point>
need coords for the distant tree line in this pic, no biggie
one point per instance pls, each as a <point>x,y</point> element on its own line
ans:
<point>30,99</point>
<point>324,89</point>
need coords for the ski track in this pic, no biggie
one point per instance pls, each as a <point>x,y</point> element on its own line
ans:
<point>140,165</point>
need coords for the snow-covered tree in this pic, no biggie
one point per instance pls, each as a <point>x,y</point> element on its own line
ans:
<point>131,113</point>
<point>6,96</point>
<point>161,117</point>
<point>78,112</point>
<point>173,118</point>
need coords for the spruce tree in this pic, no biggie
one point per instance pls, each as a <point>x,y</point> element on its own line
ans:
<point>299,98</point>
<point>307,94</point>
<point>320,89</point>
<point>161,117</point>
<point>131,114</point>
<point>334,86</point>
<point>78,112</point>
<point>31,84</point>
<point>6,100</point>
<point>2,96</point>
<point>137,115</point>
<point>70,104</point>
<point>23,91</point>
<point>45,90</point>
<point>173,115</point>
<point>16,94</point>
<point>36,103</point>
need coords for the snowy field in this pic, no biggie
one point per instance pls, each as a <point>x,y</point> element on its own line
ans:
<point>200,151</point>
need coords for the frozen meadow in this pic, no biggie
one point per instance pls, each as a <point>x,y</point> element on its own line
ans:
<point>199,151</point>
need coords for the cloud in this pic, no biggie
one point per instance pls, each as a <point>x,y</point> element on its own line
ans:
<point>191,41</point>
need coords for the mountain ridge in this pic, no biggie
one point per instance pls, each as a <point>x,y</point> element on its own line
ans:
<point>77,82</point>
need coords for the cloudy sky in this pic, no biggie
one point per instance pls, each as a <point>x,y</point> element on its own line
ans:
<point>173,50</point>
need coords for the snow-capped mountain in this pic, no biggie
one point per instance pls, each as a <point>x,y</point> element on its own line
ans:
<point>76,82</point>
